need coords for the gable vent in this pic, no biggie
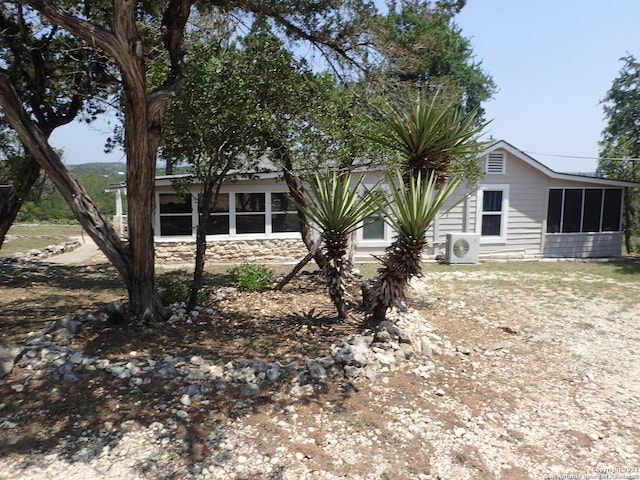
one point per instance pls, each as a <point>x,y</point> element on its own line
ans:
<point>495,163</point>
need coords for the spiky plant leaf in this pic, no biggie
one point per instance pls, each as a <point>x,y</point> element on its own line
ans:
<point>413,206</point>
<point>432,135</point>
<point>337,209</point>
<point>335,206</point>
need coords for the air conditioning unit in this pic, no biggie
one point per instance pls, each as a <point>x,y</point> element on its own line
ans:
<point>462,248</point>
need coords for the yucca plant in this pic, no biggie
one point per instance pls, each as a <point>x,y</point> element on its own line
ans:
<point>433,135</point>
<point>338,209</point>
<point>414,205</point>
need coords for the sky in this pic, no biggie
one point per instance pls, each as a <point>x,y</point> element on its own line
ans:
<point>552,61</point>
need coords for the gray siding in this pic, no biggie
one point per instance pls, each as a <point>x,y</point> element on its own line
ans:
<point>526,214</point>
<point>527,209</point>
<point>583,245</point>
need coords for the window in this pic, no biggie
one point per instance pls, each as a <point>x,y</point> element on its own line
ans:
<point>492,211</point>
<point>175,214</point>
<point>259,214</point>
<point>375,230</point>
<point>574,210</point>
<point>219,217</point>
<point>495,163</point>
<point>250,213</point>
<point>284,216</point>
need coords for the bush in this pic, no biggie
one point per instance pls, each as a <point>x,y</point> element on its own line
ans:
<point>174,291</point>
<point>251,277</point>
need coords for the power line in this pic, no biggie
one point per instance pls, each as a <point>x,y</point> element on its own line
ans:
<point>584,158</point>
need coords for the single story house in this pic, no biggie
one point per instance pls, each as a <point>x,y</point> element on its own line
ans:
<point>4,194</point>
<point>520,209</point>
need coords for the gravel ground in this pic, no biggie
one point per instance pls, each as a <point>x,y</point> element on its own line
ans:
<point>535,377</point>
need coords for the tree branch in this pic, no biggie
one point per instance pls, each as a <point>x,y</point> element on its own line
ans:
<point>78,27</point>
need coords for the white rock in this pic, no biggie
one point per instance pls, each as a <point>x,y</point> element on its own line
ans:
<point>182,414</point>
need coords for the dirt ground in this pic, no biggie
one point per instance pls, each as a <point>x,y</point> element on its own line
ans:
<point>537,375</point>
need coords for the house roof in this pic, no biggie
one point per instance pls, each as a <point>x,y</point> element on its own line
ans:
<point>503,145</point>
<point>489,147</point>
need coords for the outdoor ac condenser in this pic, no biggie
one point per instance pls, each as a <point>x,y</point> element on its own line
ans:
<point>462,248</point>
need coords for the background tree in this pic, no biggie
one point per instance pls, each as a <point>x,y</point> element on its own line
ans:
<point>116,29</point>
<point>209,130</point>
<point>52,73</point>
<point>265,101</point>
<point>421,45</point>
<point>621,140</point>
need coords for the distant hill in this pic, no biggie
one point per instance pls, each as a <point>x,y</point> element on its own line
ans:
<point>109,169</point>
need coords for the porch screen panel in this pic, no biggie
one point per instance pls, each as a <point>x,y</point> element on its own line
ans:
<point>592,210</point>
<point>612,210</point>
<point>554,211</point>
<point>572,217</point>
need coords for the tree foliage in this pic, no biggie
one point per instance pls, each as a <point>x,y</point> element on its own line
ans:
<point>420,45</point>
<point>621,140</point>
<point>52,73</point>
<point>118,29</point>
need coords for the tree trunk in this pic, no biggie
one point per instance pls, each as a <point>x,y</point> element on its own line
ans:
<point>144,113</point>
<point>310,236</point>
<point>90,217</point>
<point>17,194</point>
<point>300,264</point>
<point>204,210</point>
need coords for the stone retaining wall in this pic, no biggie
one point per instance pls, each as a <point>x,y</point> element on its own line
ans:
<point>281,250</point>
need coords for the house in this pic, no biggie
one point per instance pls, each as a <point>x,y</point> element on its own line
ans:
<point>4,194</point>
<point>521,209</point>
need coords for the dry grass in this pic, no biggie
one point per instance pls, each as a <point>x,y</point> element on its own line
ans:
<point>26,236</point>
<point>284,326</point>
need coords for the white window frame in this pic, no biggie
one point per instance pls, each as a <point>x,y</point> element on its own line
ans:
<point>503,168</point>
<point>231,190</point>
<point>388,235</point>
<point>158,216</point>
<point>504,212</point>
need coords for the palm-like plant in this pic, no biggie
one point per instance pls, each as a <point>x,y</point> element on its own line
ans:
<point>436,138</point>
<point>337,209</point>
<point>433,135</point>
<point>413,207</point>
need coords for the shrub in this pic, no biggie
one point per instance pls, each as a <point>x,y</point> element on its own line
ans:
<point>174,291</point>
<point>251,277</point>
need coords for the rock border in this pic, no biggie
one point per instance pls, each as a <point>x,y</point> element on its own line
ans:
<point>361,357</point>
<point>43,253</point>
